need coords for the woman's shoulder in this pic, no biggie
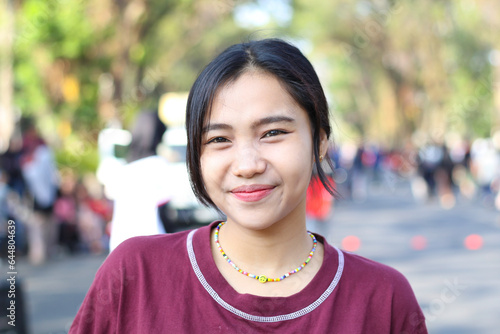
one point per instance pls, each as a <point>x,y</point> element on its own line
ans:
<point>362,269</point>
<point>151,248</point>
<point>379,295</point>
<point>149,242</point>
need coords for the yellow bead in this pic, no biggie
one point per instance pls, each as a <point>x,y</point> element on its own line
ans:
<point>262,279</point>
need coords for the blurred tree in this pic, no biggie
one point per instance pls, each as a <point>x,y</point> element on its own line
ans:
<point>81,65</point>
<point>6,73</point>
<point>397,67</point>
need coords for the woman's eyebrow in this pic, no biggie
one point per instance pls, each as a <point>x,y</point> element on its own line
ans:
<point>216,126</point>
<point>256,124</point>
<point>272,119</point>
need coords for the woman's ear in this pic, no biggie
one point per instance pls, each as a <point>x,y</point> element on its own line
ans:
<point>323,143</point>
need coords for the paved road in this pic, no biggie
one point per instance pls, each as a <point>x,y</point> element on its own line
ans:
<point>54,291</point>
<point>458,288</point>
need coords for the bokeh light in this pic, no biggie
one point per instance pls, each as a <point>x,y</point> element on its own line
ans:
<point>473,242</point>
<point>418,242</point>
<point>351,243</point>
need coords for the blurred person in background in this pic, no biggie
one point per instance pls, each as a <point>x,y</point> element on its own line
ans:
<point>93,212</point>
<point>461,175</point>
<point>147,133</point>
<point>10,162</point>
<point>4,214</point>
<point>4,190</point>
<point>65,213</point>
<point>141,186</point>
<point>41,177</point>
<point>485,167</point>
<point>444,179</point>
<point>14,190</point>
<point>359,184</point>
<point>429,158</point>
<point>345,155</point>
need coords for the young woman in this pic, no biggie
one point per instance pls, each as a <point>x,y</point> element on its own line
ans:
<point>257,122</point>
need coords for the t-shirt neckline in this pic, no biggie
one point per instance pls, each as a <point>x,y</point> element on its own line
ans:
<point>260,308</point>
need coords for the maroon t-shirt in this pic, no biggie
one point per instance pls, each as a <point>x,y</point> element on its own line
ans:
<point>170,284</point>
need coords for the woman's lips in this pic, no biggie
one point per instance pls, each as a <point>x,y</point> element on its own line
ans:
<point>252,193</point>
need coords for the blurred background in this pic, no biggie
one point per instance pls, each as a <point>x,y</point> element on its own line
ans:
<point>413,87</point>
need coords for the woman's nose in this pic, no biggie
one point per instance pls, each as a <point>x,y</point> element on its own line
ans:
<point>248,162</point>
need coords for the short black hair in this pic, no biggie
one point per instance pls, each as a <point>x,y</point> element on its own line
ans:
<point>273,56</point>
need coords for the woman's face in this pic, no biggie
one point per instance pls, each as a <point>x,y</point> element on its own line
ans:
<point>257,156</point>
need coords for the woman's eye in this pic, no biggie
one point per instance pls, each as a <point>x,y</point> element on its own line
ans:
<point>217,140</point>
<point>273,133</point>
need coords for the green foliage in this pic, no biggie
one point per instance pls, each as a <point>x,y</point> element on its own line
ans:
<point>389,67</point>
<point>78,153</point>
<point>414,65</point>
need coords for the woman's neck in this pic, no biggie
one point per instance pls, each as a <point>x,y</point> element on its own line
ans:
<point>272,251</point>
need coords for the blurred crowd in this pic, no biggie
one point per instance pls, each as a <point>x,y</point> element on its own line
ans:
<point>55,211</point>
<point>434,171</point>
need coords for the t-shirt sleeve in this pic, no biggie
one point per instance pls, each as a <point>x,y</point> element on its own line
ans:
<point>407,316</point>
<point>99,310</point>
<point>383,296</point>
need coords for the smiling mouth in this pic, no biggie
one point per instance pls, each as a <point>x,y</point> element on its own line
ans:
<point>252,193</point>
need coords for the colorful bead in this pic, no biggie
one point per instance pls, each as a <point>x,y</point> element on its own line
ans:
<point>262,278</point>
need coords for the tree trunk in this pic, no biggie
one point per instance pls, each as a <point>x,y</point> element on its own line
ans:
<point>496,91</point>
<point>6,73</point>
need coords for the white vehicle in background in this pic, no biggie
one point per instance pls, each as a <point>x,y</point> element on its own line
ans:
<point>183,210</point>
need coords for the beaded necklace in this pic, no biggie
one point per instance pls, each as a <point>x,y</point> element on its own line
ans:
<point>262,278</point>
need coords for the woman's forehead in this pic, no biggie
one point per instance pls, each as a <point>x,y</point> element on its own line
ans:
<point>252,95</point>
